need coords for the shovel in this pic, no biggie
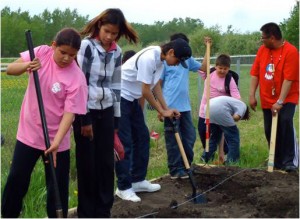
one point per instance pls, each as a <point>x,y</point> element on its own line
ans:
<point>58,204</point>
<point>196,198</point>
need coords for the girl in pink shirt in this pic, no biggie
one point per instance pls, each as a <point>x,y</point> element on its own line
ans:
<point>217,88</point>
<point>64,92</point>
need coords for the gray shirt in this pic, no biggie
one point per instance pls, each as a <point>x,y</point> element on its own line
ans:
<point>222,109</point>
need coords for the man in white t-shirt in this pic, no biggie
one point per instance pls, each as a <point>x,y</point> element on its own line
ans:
<point>140,75</point>
<point>224,112</point>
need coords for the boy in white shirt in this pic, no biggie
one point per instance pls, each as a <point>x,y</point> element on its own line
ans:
<point>140,75</point>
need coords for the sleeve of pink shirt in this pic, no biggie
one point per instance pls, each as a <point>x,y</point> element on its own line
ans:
<point>234,91</point>
<point>77,97</point>
<point>202,74</point>
<point>38,51</point>
<point>203,102</point>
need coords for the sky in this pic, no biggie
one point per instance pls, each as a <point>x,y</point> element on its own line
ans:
<point>243,15</point>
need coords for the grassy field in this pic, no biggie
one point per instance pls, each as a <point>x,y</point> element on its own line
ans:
<point>254,149</point>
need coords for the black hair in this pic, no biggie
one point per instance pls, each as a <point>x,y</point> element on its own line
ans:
<point>179,35</point>
<point>247,114</point>
<point>68,37</point>
<point>271,29</point>
<point>223,60</point>
<point>166,47</point>
<point>127,55</point>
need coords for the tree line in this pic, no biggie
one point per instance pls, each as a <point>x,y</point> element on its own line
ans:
<point>45,25</point>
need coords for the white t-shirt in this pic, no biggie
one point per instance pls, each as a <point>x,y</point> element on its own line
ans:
<point>222,108</point>
<point>149,69</point>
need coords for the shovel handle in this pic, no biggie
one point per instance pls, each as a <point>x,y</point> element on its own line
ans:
<point>272,143</point>
<point>182,152</point>
<point>58,204</point>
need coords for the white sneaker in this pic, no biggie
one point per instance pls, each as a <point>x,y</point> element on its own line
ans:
<point>128,195</point>
<point>145,186</point>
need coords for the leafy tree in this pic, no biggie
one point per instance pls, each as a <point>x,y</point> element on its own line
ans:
<point>239,44</point>
<point>252,42</point>
<point>197,41</point>
<point>290,26</point>
<point>45,25</point>
<point>13,25</point>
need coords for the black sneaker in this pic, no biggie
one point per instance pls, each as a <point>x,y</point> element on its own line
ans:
<point>290,169</point>
<point>181,174</point>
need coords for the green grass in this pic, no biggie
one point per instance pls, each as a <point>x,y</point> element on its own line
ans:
<point>254,149</point>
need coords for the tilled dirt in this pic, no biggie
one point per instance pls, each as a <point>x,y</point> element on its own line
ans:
<point>230,192</point>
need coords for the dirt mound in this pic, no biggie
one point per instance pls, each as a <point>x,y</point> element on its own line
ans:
<point>229,191</point>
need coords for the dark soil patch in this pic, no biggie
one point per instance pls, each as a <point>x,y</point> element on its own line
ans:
<point>231,192</point>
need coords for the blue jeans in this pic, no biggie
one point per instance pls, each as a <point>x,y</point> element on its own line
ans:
<point>135,138</point>
<point>232,137</point>
<point>202,133</point>
<point>187,133</point>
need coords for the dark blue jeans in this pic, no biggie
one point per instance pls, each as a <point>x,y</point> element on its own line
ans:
<point>202,133</point>
<point>135,138</point>
<point>232,137</point>
<point>187,133</point>
<point>286,150</point>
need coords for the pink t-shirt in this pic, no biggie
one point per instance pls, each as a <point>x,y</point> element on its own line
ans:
<point>217,88</point>
<point>63,90</point>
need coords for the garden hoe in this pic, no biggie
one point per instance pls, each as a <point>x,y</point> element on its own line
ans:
<point>272,142</point>
<point>196,198</point>
<point>58,204</point>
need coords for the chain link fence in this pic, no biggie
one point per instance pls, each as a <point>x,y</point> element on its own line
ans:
<point>236,61</point>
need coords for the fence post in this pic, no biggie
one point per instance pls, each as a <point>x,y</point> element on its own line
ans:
<point>238,65</point>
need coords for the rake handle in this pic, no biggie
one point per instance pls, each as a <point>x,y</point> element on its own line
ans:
<point>207,81</point>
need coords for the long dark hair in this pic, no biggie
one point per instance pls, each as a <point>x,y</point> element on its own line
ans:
<point>111,16</point>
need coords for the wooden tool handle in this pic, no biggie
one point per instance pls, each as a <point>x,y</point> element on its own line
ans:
<point>207,81</point>
<point>182,152</point>
<point>272,143</point>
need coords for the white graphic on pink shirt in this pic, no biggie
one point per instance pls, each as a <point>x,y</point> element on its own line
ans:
<point>56,87</point>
